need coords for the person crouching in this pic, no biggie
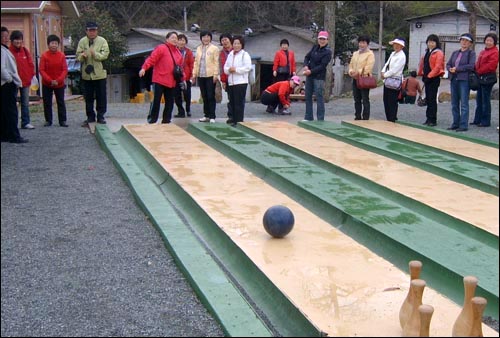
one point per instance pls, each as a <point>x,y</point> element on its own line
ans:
<point>278,95</point>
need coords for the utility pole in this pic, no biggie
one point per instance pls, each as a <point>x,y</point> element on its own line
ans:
<point>380,25</point>
<point>184,11</point>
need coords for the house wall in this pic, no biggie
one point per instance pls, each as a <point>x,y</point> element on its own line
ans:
<point>448,27</point>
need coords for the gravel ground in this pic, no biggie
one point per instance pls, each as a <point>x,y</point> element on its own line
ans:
<point>79,258</point>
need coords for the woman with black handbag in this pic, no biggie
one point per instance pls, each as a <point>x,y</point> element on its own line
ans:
<point>361,64</point>
<point>486,67</point>
<point>164,59</point>
<point>431,68</point>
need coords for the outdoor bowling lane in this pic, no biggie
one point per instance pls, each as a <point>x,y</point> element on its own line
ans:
<point>431,139</point>
<point>340,286</point>
<point>437,192</point>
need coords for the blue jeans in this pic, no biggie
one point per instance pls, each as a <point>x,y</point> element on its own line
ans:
<point>460,103</point>
<point>25,105</point>
<point>317,88</point>
<point>483,105</point>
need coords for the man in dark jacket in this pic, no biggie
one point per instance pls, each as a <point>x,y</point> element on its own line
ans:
<point>315,63</point>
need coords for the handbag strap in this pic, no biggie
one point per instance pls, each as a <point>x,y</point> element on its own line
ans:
<point>171,55</point>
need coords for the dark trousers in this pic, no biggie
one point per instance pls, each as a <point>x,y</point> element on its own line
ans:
<point>154,110</point>
<point>237,95</point>
<point>431,90</point>
<point>183,95</point>
<point>229,107</point>
<point>361,102</point>
<point>207,91</point>
<point>391,104</point>
<point>270,99</point>
<point>47,103</point>
<point>95,89</point>
<point>10,114</point>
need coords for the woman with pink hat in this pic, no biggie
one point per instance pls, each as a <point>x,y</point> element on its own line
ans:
<point>278,94</point>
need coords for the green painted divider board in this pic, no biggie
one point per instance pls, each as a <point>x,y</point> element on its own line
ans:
<point>215,289</point>
<point>460,169</point>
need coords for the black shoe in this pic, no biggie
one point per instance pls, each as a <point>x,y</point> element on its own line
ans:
<point>430,124</point>
<point>63,124</point>
<point>179,115</point>
<point>229,121</point>
<point>101,121</point>
<point>461,129</point>
<point>47,124</point>
<point>188,114</point>
<point>425,123</point>
<point>473,123</point>
<point>234,124</point>
<point>452,128</point>
<point>270,110</point>
<point>357,118</point>
<point>19,140</point>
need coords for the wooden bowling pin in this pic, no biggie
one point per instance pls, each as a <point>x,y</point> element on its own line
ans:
<point>463,323</point>
<point>412,326</point>
<point>478,306</point>
<point>426,312</point>
<point>405,311</point>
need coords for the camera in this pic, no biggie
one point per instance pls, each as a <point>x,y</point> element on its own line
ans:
<point>89,69</point>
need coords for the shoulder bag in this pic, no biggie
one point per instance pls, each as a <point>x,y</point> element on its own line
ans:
<point>366,82</point>
<point>422,101</point>
<point>393,82</point>
<point>488,79</point>
<point>284,70</point>
<point>178,72</point>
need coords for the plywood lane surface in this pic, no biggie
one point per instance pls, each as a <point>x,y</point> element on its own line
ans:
<point>439,193</point>
<point>431,139</point>
<point>343,288</point>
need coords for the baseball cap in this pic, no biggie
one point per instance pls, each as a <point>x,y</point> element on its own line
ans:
<point>399,41</point>
<point>91,25</point>
<point>466,36</point>
<point>323,34</point>
<point>295,79</point>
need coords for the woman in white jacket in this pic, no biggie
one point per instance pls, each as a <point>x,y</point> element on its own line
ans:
<point>238,65</point>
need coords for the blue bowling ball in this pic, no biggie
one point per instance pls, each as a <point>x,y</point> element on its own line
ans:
<point>278,221</point>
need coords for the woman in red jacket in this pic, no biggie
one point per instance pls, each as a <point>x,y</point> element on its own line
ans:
<point>278,94</point>
<point>486,63</point>
<point>163,58</point>
<point>284,62</point>
<point>431,69</point>
<point>26,70</point>
<point>53,68</point>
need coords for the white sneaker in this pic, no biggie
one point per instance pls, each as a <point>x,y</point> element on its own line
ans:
<point>28,126</point>
<point>204,119</point>
<point>212,120</point>
<point>306,121</point>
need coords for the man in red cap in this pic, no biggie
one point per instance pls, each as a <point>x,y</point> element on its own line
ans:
<point>278,94</point>
<point>315,64</point>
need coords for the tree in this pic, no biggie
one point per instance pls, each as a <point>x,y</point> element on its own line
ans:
<point>330,27</point>
<point>107,29</point>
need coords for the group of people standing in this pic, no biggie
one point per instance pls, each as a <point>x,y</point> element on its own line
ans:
<point>432,67</point>
<point>18,74</point>
<point>233,64</point>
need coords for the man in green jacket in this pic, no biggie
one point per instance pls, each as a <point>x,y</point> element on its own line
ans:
<point>92,50</point>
